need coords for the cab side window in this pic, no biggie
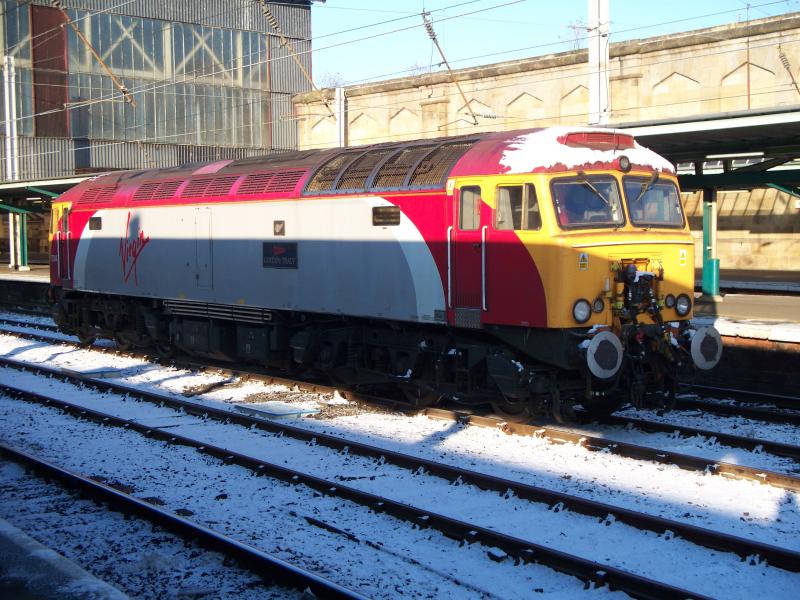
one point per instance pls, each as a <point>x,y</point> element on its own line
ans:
<point>517,208</point>
<point>469,208</point>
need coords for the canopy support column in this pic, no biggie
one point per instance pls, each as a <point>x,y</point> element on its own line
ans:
<point>710,260</point>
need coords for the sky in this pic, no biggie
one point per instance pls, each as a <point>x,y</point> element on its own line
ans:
<point>358,41</point>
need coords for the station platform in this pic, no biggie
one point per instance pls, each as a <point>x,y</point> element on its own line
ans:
<point>754,280</point>
<point>38,273</point>
<point>29,570</point>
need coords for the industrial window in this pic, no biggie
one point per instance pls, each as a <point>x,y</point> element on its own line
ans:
<point>517,208</point>
<point>95,223</point>
<point>385,215</point>
<point>469,208</point>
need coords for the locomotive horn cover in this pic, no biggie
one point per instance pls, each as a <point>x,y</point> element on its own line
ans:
<point>604,355</point>
<point>706,348</point>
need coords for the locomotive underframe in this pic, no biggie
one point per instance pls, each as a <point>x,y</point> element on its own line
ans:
<point>519,370</point>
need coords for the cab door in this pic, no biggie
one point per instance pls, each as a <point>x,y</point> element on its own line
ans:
<point>467,243</point>
<point>61,238</point>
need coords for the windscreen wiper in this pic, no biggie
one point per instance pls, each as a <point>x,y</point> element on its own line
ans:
<point>582,178</point>
<point>646,186</point>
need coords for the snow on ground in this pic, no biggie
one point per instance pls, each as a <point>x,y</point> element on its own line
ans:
<point>386,557</point>
<point>741,508</point>
<point>138,559</point>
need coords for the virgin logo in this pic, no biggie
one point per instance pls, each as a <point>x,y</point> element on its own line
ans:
<point>129,250</point>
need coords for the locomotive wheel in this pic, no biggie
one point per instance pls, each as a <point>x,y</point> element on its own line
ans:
<point>122,344</point>
<point>165,349</point>
<point>86,339</point>
<point>513,412</point>
<point>418,395</point>
<point>562,410</point>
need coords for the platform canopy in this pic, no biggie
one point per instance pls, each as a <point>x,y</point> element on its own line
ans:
<point>769,135</point>
<point>35,195</point>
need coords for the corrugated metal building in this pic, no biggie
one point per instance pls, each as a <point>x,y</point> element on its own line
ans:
<point>209,79</point>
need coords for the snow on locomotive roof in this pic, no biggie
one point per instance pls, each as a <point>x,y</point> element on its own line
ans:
<point>551,148</point>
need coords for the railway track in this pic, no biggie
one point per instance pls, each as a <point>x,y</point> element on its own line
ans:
<point>578,505</point>
<point>271,569</point>
<point>544,430</point>
<point>523,550</point>
<point>727,439</point>
<point>453,474</point>
<point>752,398</point>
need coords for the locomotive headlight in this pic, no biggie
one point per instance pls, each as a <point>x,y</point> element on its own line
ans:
<point>624,164</point>
<point>581,311</point>
<point>598,305</point>
<point>669,301</point>
<point>683,305</point>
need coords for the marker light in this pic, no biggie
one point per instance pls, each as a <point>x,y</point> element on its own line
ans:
<point>669,301</point>
<point>581,311</point>
<point>683,305</point>
<point>598,305</point>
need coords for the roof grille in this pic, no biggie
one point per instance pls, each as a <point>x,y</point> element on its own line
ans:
<point>437,164</point>
<point>323,179</point>
<point>157,190</point>
<point>99,193</point>
<point>394,171</point>
<point>270,183</point>
<point>256,184</point>
<point>214,186</point>
<point>388,167</point>
<point>355,176</point>
<point>285,181</point>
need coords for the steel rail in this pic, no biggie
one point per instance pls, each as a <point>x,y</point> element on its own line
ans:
<point>18,323</point>
<point>786,559</point>
<point>728,439</point>
<point>780,400</point>
<point>523,550</point>
<point>625,449</point>
<point>734,410</point>
<point>269,567</point>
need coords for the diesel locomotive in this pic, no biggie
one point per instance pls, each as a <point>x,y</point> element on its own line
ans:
<point>535,270</point>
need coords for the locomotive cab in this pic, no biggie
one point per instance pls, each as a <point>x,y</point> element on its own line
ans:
<point>612,293</point>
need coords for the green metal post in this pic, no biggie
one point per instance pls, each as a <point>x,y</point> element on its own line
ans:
<point>23,240</point>
<point>710,262</point>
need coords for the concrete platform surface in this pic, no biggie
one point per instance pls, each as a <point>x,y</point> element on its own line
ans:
<point>29,570</point>
<point>39,273</point>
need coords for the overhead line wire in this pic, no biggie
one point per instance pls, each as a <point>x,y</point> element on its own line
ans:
<point>152,86</point>
<point>501,119</point>
<point>385,106</point>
